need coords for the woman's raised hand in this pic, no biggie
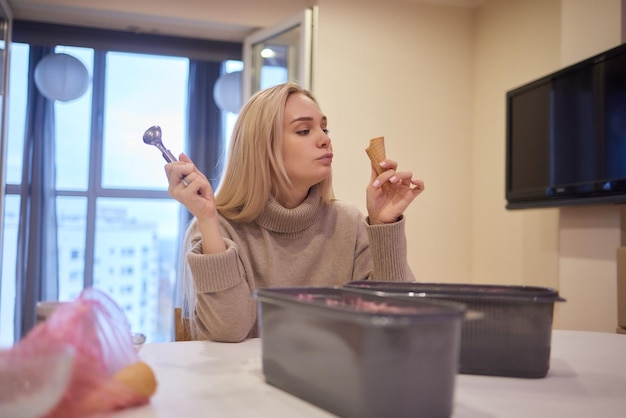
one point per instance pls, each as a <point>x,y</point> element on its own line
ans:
<point>190,187</point>
<point>387,204</point>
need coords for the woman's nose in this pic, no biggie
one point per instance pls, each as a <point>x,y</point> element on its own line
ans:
<point>324,140</point>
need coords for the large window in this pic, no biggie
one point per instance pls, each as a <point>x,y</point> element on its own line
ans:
<point>117,228</point>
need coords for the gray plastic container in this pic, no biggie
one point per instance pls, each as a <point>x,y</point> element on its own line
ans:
<point>509,328</point>
<point>361,355</point>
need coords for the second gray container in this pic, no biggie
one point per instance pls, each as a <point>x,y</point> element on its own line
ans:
<point>513,332</point>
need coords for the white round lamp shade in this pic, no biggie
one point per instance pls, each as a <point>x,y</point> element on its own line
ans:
<point>227,92</point>
<point>61,77</point>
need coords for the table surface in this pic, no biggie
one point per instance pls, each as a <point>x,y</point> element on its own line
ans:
<point>587,378</point>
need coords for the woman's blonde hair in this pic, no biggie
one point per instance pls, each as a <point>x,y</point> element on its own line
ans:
<point>255,169</point>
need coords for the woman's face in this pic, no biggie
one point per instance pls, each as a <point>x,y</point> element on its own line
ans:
<point>307,151</point>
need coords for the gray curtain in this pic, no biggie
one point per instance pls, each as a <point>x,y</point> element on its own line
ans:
<point>204,121</point>
<point>204,131</point>
<point>36,267</point>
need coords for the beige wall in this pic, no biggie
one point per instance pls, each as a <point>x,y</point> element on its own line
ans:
<point>516,41</point>
<point>432,79</point>
<point>403,70</point>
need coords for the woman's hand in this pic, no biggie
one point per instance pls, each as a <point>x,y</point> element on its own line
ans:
<point>386,204</point>
<point>190,187</point>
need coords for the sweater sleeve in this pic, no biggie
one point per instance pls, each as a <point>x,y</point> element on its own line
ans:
<point>225,309</point>
<point>388,252</point>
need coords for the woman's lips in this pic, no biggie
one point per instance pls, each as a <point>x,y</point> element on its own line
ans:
<point>326,158</point>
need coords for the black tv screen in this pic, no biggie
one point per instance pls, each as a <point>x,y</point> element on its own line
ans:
<point>566,135</point>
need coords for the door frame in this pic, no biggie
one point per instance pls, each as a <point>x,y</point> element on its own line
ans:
<point>307,19</point>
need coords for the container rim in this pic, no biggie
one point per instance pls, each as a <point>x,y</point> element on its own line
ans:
<point>491,292</point>
<point>288,296</point>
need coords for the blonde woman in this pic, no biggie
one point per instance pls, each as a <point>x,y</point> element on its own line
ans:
<point>274,221</point>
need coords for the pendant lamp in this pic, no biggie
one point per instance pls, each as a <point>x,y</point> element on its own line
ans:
<point>227,92</point>
<point>61,77</point>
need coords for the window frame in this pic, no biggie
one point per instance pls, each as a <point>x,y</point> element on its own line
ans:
<point>102,42</point>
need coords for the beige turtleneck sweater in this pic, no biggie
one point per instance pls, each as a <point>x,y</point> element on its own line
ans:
<point>314,244</point>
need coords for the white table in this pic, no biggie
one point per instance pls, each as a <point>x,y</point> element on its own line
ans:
<point>587,379</point>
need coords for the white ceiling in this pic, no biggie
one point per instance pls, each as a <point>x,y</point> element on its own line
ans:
<point>228,20</point>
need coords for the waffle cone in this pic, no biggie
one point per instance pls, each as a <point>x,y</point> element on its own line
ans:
<point>376,152</point>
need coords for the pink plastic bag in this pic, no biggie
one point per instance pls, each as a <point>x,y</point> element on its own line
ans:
<point>32,383</point>
<point>96,331</point>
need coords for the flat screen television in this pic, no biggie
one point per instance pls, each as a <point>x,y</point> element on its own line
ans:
<point>566,136</point>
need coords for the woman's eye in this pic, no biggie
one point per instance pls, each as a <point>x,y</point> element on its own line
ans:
<point>304,132</point>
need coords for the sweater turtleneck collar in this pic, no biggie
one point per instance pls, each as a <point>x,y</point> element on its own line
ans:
<point>277,218</point>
